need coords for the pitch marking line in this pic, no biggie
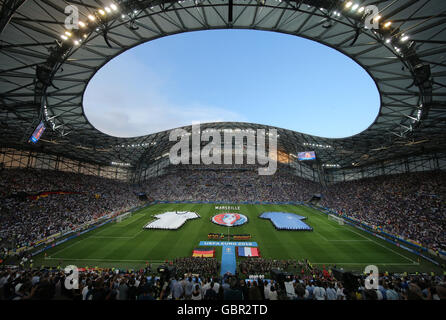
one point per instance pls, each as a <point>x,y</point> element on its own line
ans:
<point>364,263</point>
<point>353,240</point>
<point>372,240</point>
<point>109,237</point>
<point>95,236</point>
<point>57,252</point>
<point>381,245</point>
<point>107,260</point>
<point>349,240</point>
<point>111,260</point>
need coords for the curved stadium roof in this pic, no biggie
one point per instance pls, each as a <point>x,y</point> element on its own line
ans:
<point>44,76</point>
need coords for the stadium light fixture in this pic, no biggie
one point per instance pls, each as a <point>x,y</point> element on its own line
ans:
<point>377,18</point>
<point>404,38</point>
<point>91,17</point>
<point>348,4</point>
<point>107,9</point>
<point>419,113</point>
<point>387,24</point>
<point>82,24</point>
<point>101,12</point>
<point>64,37</point>
<point>114,7</point>
<point>68,34</point>
<point>355,6</point>
<point>361,10</point>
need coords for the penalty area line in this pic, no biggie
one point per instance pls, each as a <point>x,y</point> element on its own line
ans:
<point>365,263</point>
<point>381,245</point>
<point>104,260</point>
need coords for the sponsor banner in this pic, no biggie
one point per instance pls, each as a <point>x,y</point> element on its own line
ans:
<point>228,243</point>
<point>21,249</point>
<point>38,251</point>
<point>381,237</point>
<point>429,259</point>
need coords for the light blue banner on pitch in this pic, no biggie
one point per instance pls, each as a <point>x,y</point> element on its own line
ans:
<point>228,243</point>
<point>228,261</point>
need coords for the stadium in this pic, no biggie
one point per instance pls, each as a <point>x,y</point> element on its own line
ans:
<point>305,218</point>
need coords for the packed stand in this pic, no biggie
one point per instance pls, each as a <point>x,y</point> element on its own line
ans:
<point>409,205</point>
<point>230,186</point>
<point>304,282</point>
<point>204,266</point>
<point>24,219</point>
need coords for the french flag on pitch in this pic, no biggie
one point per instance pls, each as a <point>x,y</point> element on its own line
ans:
<point>248,252</point>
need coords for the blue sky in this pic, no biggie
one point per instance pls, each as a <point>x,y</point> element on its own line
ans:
<point>232,75</point>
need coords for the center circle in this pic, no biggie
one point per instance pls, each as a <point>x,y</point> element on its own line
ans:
<point>229,219</point>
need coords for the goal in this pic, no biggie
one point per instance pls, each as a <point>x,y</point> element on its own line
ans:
<point>123,216</point>
<point>339,220</point>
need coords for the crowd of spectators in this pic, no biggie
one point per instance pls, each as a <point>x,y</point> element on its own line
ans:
<point>258,265</point>
<point>24,219</point>
<point>205,266</point>
<point>308,283</point>
<point>230,186</point>
<point>410,205</point>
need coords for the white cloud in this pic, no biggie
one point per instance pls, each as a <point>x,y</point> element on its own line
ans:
<point>130,102</point>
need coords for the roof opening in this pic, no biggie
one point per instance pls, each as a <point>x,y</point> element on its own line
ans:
<point>232,75</point>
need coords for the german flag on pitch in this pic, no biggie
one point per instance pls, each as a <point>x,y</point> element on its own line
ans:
<point>204,252</point>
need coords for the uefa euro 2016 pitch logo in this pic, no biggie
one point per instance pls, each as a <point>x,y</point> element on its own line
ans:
<point>229,219</point>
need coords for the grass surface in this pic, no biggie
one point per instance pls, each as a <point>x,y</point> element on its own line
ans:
<point>128,245</point>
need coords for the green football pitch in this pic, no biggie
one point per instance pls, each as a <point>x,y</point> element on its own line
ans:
<point>127,245</point>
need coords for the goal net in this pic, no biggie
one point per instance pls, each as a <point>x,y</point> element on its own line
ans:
<point>339,220</point>
<point>123,216</point>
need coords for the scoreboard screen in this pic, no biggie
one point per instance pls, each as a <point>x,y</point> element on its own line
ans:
<point>307,155</point>
<point>37,133</point>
